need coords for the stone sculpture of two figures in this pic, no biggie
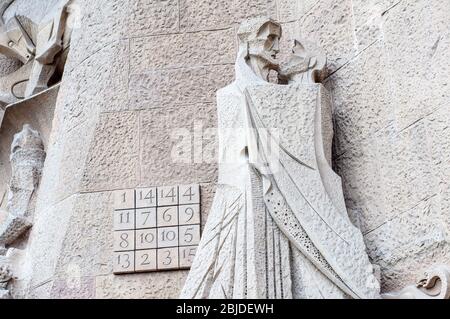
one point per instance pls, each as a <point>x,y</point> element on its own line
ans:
<point>278,227</point>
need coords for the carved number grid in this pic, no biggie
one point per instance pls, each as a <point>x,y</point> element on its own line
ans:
<point>156,228</point>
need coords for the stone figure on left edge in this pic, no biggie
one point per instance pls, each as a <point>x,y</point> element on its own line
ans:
<point>278,227</point>
<point>27,161</point>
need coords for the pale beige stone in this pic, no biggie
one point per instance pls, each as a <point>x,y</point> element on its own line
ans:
<point>210,15</point>
<point>146,17</point>
<point>330,26</point>
<point>177,86</point>
<point>182,50</point>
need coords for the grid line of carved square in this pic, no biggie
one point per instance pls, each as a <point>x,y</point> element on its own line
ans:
<point>156,228</point>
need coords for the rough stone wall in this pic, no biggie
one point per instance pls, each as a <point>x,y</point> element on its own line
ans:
<point>140,68</point>
<point>390,83</point>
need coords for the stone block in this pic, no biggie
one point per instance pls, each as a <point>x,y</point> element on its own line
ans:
<point>12,228</point>
<point>387,174</point>
<point>141,286</point>
<point>178,86</point>
<point>108,69</point>
<point>418,52</point>
<point>164,133</point>
<point>148,17</point>
<point>182,50</point>
<point>213,15</point>
<point>366,12</point>
<point>103,20</point>
<point>8,65</point>
<point>290,10</point>
<point>113,157</point>
<point>330,26</point>
<point>88,242</point>
<point>362,98</point>
<point>73,286</point>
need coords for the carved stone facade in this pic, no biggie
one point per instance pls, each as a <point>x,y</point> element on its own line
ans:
<point>141,76</point>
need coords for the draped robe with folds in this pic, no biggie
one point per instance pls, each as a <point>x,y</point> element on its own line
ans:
<point>278,226</point>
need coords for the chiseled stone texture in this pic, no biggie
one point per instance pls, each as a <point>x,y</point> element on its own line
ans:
<point>329,24</point>
<point>211,14</point>
<point>182,50</point>
<point>169,150</point>
<point>163,88</point>
<point>113,156</point>
<point>391,145</point>
<point>147,17</point>
<point>8,65</point>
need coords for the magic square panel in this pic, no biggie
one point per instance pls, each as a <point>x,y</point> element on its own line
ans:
<point>156,228</point>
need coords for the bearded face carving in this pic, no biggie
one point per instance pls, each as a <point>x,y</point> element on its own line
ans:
<point>261,43</point>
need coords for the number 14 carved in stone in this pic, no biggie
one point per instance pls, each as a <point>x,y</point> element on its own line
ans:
<point>156,228</point>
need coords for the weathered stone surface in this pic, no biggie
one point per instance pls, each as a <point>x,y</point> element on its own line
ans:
<point>108,68</point>
<point>362,97</point>
<point>113,160</point>
<point>387,174</point>
<point>211,15</point>
<point>366,12</point>
<point>12,228</point>
<point>178,86</point>
<point>418,47</point>
<point>164,132</point>
<point>87,246</point>
<point>106,21</point>
<point>8,65</point>
<point>144,286</point>
<point>289,10</point>
<point>329,25</point>
<point>45,245</point>
<point>182,50</point>
<point>148,17</point>
<point>73,287</point>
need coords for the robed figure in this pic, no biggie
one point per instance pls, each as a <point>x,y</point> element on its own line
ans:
<point>278,226</point>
